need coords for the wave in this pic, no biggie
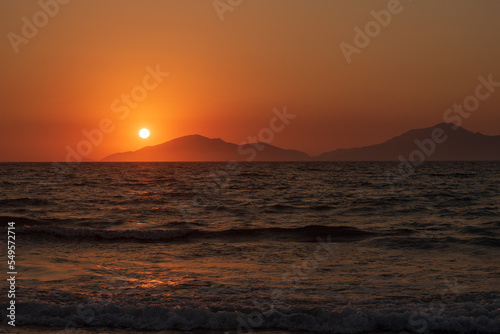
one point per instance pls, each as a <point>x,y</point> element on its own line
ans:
<point>396,241</point>
<point>302,234</point>
<point>485,241</point>
<point>16,202</point>
<point>178,231</point>
<point>27,223</point>
<point>468,317</point>
<point>478,230</point>
<point>21,221</point>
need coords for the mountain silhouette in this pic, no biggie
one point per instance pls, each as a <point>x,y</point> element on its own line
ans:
<point>442,142</point>
<point>454,144</point>
<point>199,148</point>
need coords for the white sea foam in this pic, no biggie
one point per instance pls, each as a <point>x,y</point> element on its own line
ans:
<point>463,318</point>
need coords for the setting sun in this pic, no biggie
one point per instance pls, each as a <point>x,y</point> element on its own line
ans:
<point>144,133</point>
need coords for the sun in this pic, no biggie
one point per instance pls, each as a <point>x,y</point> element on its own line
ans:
<point>144,133</point>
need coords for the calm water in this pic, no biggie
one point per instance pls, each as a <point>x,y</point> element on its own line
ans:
<point>324,247</point>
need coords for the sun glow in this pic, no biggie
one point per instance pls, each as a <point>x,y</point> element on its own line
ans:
<point>144,133</point>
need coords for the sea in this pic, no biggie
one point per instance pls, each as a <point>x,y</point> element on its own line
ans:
<point>267,247</point>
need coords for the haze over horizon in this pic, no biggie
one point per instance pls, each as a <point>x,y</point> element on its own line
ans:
<point>223,78</point>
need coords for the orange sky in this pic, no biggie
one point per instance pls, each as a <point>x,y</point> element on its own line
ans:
<point>225,77</point>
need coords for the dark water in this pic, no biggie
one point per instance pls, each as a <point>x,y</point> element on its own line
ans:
<point>324,247</point>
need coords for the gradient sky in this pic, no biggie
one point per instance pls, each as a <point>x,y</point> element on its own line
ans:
<point>227,76</point>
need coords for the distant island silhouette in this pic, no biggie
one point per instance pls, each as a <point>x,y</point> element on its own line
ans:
<point>442,142</point>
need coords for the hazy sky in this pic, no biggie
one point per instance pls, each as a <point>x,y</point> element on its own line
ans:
<point>225,77</point>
